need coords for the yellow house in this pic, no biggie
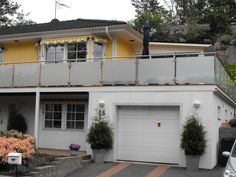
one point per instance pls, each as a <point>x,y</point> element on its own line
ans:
<point>57,74</point>
<point>89,39</point>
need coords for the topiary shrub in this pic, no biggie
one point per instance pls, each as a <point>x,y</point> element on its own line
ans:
<point>16,121</point>
<point>193,140</point>
<point>100,135</point>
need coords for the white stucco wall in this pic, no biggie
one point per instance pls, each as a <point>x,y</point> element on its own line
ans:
<point>184,96</point>
<point>27,107</point>
<point>218,101</point>
<point>62,138</point>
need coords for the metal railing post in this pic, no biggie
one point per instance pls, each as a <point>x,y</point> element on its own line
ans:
<point>40,71</point>
<point>175,69</point>
<point>69,74</point>
<point>101,67</point>
<point>13,76</point>
<point>136,71</point>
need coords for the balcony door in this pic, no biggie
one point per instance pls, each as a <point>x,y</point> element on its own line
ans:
<point>98,51</point>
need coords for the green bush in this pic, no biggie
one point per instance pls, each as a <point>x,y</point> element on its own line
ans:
<point>231,70</point>
<point>193,140</point>
<point>100,134</point>
<point>16,121</point>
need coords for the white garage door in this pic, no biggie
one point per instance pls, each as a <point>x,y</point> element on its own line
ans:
<point>148,134</point>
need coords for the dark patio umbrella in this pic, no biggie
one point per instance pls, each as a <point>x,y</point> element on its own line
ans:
<point>146,33</point>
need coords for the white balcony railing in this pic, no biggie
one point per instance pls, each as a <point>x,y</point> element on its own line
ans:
<point>161,69</point>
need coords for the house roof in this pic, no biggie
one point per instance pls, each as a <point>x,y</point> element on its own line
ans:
<point>58,25</point>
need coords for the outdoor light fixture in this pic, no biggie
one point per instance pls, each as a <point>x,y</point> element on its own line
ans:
<point>101,103</point>
<point>196,104</point>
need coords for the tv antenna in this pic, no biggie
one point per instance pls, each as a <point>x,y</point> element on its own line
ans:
<point>58,4</point>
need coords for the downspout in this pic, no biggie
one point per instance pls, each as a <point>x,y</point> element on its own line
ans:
<point>112,40</point>
<point>108,34</point>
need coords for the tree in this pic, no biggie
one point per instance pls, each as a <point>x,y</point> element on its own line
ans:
<point>220,15</point>
<point>10,14</point>
<point>152,11</point>
<point>190,11</point>
<point>16,120</point>
<point>217,13</point>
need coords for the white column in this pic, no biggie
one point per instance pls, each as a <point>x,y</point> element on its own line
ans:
<point>36,117</point>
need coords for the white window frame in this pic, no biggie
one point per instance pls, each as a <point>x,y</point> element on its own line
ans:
<point>74,112</point>
<point>76,50</point>
<point>55,60</point>
<point>63,114</point>
<point>53,112</point>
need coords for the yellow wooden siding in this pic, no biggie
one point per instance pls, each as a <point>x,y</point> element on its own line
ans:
<point>20,52</point>
<point>124,49</point>
<point>154,49</point>
<point>108,48</point>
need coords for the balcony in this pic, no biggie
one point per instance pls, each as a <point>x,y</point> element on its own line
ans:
<point>161,69</point>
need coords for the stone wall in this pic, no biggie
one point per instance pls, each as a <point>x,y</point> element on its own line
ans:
<point>62,166</point>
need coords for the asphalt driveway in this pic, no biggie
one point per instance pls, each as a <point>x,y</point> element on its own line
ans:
<point>141,170</point>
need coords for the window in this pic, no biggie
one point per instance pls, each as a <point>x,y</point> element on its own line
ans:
<point>53,116</point>
<point>64,115</point>
<point>75,116</point>
<point>219,113</point>
<point>55,53</point>
<point>226,115</point>
<point>98,50</point>
<point>77,51</point>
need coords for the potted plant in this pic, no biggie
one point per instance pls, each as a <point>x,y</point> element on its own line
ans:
<point>100,136</point>
<point>74,149</point>
<point>193,142</point>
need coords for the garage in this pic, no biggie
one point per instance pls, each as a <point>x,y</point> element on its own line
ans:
<point>148,134</point>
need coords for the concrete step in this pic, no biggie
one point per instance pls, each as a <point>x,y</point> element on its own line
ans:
<point>87,162</point>
<point>86,157</point>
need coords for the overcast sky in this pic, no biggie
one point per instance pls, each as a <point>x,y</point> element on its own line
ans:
<point>43,10</point>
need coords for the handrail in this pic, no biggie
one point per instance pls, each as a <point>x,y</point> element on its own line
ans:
<point>137,57</point>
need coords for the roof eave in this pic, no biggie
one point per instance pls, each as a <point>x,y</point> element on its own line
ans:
<point>61,33</point>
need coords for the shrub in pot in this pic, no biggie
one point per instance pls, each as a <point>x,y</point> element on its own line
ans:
<point>100,136</point>
<point>193,142</point>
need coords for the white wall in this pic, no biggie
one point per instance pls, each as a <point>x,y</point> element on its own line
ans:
<point>61,139</point>
<point>27,107</point>
<point>184,96</point>
<point>218,101</point>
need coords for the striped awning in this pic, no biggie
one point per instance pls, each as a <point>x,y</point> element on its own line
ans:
<point>71,40</point>
<point>97,39</point>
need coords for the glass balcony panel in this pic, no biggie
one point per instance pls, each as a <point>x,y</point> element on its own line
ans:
<point>6,72</point>
<point>54,74</point>
<point>156,71</point>
<point>195,70</point>
<point>119,71</point>
<point>26,75</point>
<point>85,73</point>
